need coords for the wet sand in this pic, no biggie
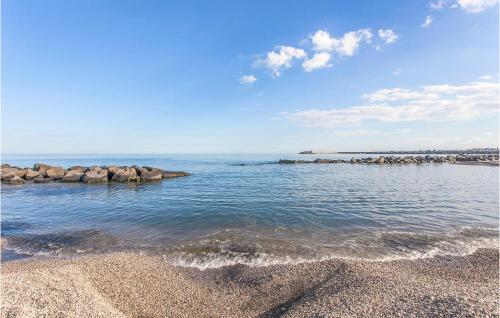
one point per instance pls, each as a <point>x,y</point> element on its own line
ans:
<point>134,285</point>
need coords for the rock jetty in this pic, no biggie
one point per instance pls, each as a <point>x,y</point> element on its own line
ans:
<point>43,173</point>
<point>402,159</point>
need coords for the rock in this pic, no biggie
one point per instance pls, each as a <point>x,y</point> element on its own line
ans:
<point>55,173</point>
<point>41,167</point>
<point>31,174</point>
<point>6,165</point>
<point>16,180</point>
<point>73,176</point>
<point>96,175</point>
<point>286,161</point>
<point>8,173</point>
<point>78,168</point>
<point>113,169</point>
<point>151,174</point>
<point>126,175</point>
<point>381,160</point>
<point>42,180</point>
<point>173,174</point>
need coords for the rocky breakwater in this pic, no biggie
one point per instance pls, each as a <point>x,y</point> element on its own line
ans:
<point>43,173</point>
<point>461,158</point>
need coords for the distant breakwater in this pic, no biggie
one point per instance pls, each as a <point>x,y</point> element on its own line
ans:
<point>463,158</point>
<point>43,173</point>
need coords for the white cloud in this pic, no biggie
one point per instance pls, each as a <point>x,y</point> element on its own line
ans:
<point>475,6</point>
<point>396,72</point>
<point>387,35</point>
<point>428,22</point>
<point>281,58</point>
<point>319,60</point>
<point>485,77</point>
<point>247,79</point>
<point>438,5</point>
<point>345,45</point>
<point>429,103</point>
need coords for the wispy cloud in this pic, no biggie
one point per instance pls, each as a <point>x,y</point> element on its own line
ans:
<point>470,6</point>
<point>248,79</point>
<point>387,35</point>
<point>475,6</point>
<point>280,58</point>
<point>428,22</point>
<point>485,77</point>
<point>429,103</point>
<point>437,5</point>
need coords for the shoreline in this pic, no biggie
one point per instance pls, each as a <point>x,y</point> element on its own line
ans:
<point>131,285</point>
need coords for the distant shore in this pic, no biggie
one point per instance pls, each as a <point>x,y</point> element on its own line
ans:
<point>134,285</point>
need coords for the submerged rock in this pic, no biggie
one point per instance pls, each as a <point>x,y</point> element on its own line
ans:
<point>42,180</point>
<point>173,174</point>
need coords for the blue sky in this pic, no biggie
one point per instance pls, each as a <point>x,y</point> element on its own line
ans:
<point>248,77</point>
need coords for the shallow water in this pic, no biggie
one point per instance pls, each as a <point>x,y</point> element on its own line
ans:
<point>242,209</point>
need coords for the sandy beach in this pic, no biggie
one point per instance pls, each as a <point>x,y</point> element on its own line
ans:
<point>134,285</point>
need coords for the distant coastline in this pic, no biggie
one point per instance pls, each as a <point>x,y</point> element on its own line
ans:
<point>488,151</point>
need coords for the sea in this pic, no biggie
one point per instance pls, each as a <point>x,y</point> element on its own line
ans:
<point>248,209</point>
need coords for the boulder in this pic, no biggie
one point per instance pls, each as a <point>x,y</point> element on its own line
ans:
<point>41,167</point>
<point>6,165</point>
<point>286,161</point>
<point>113,169</point>
<point>41,180</point>
<point>174,174</point>
<point>381,160</point>
<point>78,168</point>
<point>16,180</point>
<point>31,174</point>
<point>149,174</point>
<point>55,173</point>
<point>73,176</point>
<point>126,175</point>
<point>8,173</point>
<point>96,176</point>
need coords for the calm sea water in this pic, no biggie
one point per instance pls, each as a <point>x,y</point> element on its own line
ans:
<point>241,209</point>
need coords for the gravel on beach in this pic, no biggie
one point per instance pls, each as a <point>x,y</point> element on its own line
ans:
<point>135,285</point>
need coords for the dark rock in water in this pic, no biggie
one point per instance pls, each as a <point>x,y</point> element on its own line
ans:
<point>286,161</point>
<point>16,180</point>
<point>42,180</point>
<point>126,175</point>
<point>173,174</point>
<point>149,174</point>
<point>73,176</point>
<point>55,173</point>
<point>43,173</point>
<point>96,175</point>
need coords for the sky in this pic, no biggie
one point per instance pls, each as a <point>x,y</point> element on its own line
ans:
<point>248,76</point>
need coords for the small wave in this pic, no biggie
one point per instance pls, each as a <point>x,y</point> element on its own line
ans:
<point>60,243</point>
<point>380,246</point>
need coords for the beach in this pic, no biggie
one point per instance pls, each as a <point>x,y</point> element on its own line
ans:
<point>136,285</point>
